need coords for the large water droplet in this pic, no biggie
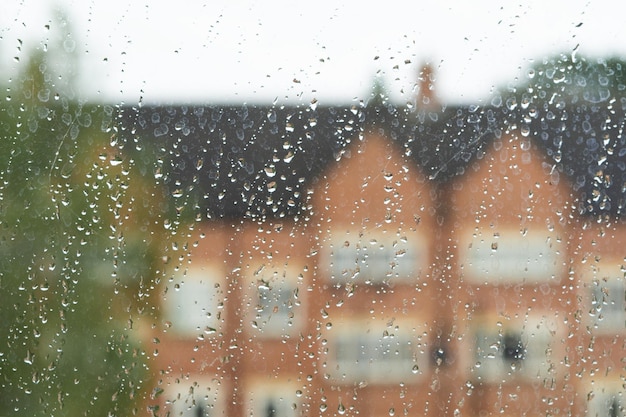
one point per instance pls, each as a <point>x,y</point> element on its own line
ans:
<point>270,171</point>
<point>511,103</point>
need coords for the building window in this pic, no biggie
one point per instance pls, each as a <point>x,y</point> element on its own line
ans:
<point>272,399</point>
<point>194,399</point>
<point>513,350</point>
<point>375,257</point>
<point>275,300</point>
<point>274,406</point>
<point>194,302</point>
<point>376,354</point>
<point>608,306</point>
<point>511,256</point>
<point>606,401</point>
<point>370,355</point>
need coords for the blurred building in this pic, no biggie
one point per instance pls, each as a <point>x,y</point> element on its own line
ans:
<point>382,260</point>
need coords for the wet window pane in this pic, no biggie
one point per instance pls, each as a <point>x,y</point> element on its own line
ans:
<point>290,210</point>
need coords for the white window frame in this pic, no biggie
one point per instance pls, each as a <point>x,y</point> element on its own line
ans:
<point>374,256</point>
<point>603,393</point>
<point>280,392</point>
<point>606,297</point>
<point>194,302</point>
<point>538,336</point>
<point>375,352</point>
<point>182,396</point>
<point>280,283</point>
<point>509,255</point>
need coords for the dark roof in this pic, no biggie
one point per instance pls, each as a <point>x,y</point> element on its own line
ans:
<point>259,161</point>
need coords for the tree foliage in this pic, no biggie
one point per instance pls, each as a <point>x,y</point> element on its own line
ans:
<point>72,264</point>
<point>575,107</point>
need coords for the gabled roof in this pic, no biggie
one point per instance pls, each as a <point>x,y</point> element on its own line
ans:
<point>260,161</point>
<point>372,184</point>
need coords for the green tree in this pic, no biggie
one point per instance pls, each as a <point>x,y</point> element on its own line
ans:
<point>72,260</point>
<point>575,79</point>
<point>575,108</point>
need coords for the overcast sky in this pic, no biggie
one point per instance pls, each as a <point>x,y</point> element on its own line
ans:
<point>292,51</point>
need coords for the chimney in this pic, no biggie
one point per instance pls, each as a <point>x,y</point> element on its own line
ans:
<point>426,97</point>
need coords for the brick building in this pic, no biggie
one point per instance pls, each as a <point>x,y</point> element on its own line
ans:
<point>413,265</point>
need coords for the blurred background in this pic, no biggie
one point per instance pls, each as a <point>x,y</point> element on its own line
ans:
<point>131,131</point>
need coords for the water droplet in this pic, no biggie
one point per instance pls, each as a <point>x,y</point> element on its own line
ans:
<point>43,95</point>
<point>341,409</point>
<point>29,357</point>
<point>162,130</point>
<point>270,171</point>
<point>115,161</point>
<point>69,45</point>
<point>525,130</point>
<point>323,407</point>
<point>496,101</point>
<point>511,103</point>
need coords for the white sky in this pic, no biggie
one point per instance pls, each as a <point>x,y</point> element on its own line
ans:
<point>292,51</point>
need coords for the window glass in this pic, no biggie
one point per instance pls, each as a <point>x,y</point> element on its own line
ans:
<point>516,349</point>
<point>275,300</point>
<point>606,295</point>
<point>320,208</point>
<point>194,396</point>
<point>371,258</point>
<point>274,399</point>
<point>194,303</point>
<point>372,353</point>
